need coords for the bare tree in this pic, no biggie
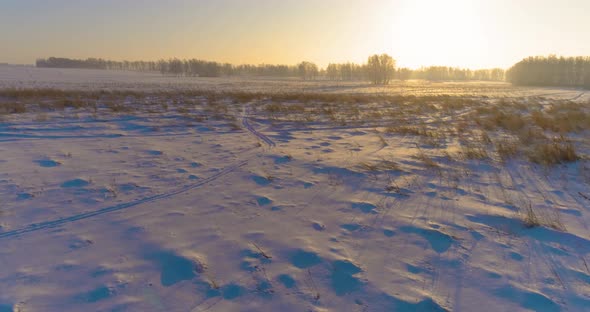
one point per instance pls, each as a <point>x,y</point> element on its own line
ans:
<point>380,68</point>
<point>308,70</point>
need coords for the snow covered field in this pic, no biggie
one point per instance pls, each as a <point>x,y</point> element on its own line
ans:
<point>90,79</point>
<point>201,203</point>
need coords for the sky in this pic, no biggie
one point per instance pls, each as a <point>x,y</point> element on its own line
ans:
<point>462,33</point>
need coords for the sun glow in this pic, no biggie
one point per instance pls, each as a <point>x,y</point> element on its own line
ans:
<point>461,33</point>
<point>439,32</point>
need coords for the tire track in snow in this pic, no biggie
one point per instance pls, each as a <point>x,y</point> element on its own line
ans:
<point>251,129</point>
<point>578,96</point>
<point>56,223</point>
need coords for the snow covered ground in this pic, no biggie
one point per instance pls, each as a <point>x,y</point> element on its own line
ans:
<point>160,211</point>
<point>90,79</point>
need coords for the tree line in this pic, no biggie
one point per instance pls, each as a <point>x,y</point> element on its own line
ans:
<point>351,71</point>
<point>174,67</point>
<point>379,69</point>
<point>551,71</point>
<point>202,68</point>
<point>443,73</point>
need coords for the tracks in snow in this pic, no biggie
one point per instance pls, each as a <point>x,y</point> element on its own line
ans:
<point>251,129</point>
<point>86,215</point>
<point>55,223</point>
<point>578,96</point>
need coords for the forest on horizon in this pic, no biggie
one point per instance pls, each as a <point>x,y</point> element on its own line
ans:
<point>379,69</point>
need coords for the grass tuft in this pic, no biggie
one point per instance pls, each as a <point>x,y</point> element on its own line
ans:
<point>558,151</point>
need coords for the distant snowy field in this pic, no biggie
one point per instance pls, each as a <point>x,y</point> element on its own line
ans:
<point>174,206</point>
<point>89,79</point>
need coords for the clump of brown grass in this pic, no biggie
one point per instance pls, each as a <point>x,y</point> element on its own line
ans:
<point>405,130</point>
<point>182,110</point>
<point>562,120</point>
<point>41,117</point>
<point>557,151</point>
<point>71,102</point>
<point>506,149</point>
<point>13,108</point>
<point>493,118</point>
<point>382,140</point>
<point>427,160</point>
<point>461,127</point>
<point>427,136</point>
<point>529,217</point>
<point>235,126</point>
<point>530,135</point>
<point>116,107</point>
<point>511,122</point>
<point>484,138</point>
<point>473,152</point>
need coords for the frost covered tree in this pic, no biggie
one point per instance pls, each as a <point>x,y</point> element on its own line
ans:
<point>380,68</point>
<point>308,70</point>
<point>551,71</point>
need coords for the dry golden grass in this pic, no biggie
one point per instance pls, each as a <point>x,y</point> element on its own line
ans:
<point>556,151</point>
<point>41,117</point>
<point>116,107</point>
<point>381,165</point>
<point>513,127</point>
<point>13,108</point>
<point>426,160</point>
<point>404,130</point>
<point>530,136</point>
<point>562,120</point>
<point>235,126</point>
<point>529,217</point>
<point>532,218</point>
<point>473,152</point>
<point>507,149</point>
<point>182,110</point>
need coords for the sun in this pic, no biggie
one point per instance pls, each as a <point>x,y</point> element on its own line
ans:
<point>433,32</point>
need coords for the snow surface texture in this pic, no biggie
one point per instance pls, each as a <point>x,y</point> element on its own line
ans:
<point>145,212</point>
